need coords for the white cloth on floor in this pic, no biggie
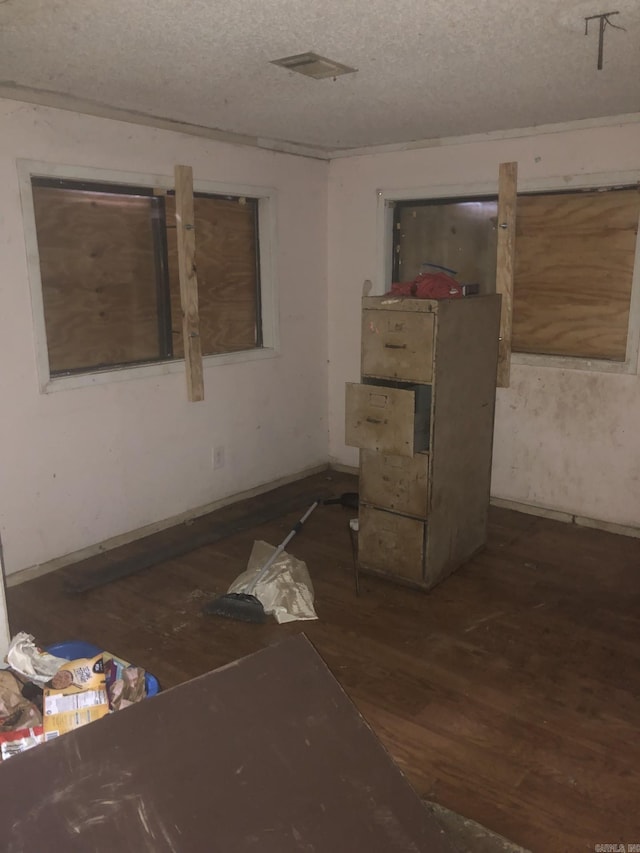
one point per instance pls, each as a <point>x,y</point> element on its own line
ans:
<point>285,591</point>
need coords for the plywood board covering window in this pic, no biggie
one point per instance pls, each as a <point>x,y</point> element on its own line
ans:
<point>98,277</point>
<point>573,273</point>
<point>226,261</point>
<point>109,274</point>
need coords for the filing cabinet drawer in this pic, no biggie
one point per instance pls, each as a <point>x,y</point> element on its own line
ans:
<point>388,418</point>
<point>397,483</point>
<point>398,345</point>
<point>391,544</point>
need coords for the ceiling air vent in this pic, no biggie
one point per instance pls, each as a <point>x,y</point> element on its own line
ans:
<point>312,65</point>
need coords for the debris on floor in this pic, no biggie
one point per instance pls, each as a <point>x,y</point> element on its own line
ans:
<point>467,836</point>
<point>125,682</point>
<point>275,583</point>
<point>20,719</point>
<point>285,591</point>
<point>77,695</point>
<point>12,743</point>
<point>35,664</point>
<point>48,692</point>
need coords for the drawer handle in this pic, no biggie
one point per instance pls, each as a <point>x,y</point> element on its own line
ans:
<point>373,421</point>
<point>396,346</point>
<point>378,401</point>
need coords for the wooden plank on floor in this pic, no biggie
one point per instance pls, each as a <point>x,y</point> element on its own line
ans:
<point>82,580</point>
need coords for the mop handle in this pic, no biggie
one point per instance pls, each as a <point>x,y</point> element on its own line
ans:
<point>296,529</point>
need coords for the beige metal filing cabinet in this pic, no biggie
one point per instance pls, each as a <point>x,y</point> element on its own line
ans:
<point>422,417</point>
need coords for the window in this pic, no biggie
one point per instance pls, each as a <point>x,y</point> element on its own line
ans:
<point>109,274</point>
<point>454,235</point>
<point>574,267</point>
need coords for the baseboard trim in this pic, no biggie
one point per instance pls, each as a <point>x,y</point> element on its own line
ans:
<point>568,518</point>
<point>609,526</point>
<point>344,469</point>
<point>31,572</point>
<point>533,509</point>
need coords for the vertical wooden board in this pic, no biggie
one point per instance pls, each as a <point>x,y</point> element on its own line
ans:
<point>391,544</point>
<point>226,261</point>
<point>396,483</point>
<point>507,199</point>
<point>98,277</point>
<point>380,418</point>
<point>574,272</point>
<point>185,229</point>
<point>464,404</point>
<point>397,345</point>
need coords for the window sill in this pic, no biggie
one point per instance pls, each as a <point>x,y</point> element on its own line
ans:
<point>147,371</point>
<point>593,365</point>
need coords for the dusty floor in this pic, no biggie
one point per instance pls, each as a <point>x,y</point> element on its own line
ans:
<point>510,694</point>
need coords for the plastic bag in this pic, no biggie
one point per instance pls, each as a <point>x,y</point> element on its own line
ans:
<point>286,590</point>
<point>25,658</point>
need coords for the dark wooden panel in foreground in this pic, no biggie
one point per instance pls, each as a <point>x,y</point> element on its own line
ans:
<point>265,754</point>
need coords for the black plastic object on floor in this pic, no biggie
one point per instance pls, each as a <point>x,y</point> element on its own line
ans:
<point>244,606</point>
<point>237,605</point>
<point>349,499</point>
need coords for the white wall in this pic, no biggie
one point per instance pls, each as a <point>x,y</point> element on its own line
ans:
<point>564,439</point>
<point>81,466</point>
<point>78,467</point>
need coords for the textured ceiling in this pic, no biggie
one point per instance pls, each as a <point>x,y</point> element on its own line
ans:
<point>426,68</point>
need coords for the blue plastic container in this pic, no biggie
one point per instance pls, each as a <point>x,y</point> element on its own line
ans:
<point>74,649</point>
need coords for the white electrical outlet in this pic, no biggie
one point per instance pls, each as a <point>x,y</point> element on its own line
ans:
<point>217,456</point>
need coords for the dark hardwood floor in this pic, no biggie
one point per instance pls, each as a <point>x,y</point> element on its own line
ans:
<point>510,694</point>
